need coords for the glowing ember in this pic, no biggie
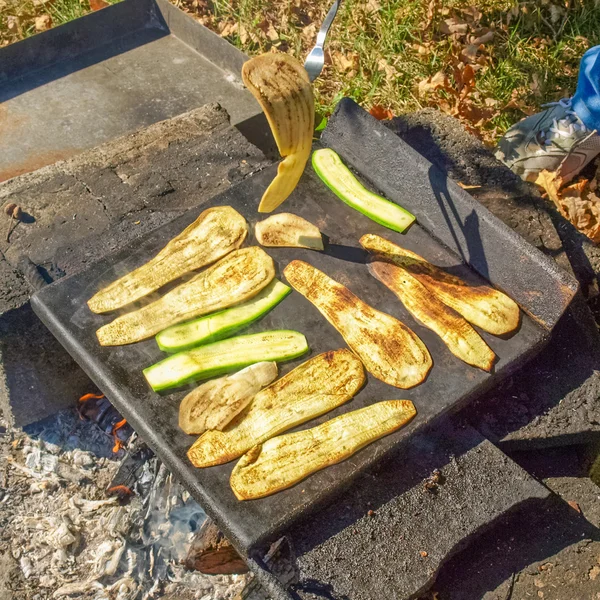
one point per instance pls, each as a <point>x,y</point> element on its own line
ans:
<point>118,443</point>
<point>87,397</point>
<point>122,492</point>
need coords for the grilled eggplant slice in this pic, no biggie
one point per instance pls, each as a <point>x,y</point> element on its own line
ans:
<point>389,350</point>
<point>480,304</point>
<point>235,278</point>
<point>288,231</point>
<point>225,356</point>
<point>213,235</point>
<point>312,389</point>
<point>224,323</point>
<point>283,461</point>
<point>213,404</point>
<point>283,89</point>
<point>462,340</point>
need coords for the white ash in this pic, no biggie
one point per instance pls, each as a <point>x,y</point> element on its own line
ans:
<point>61,537</point>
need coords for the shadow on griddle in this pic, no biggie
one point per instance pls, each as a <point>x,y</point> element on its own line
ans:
<point>347,253</point>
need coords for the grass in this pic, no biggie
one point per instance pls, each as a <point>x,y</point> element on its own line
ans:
<point>380,51</point>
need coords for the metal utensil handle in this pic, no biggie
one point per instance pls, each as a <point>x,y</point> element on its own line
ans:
<point>327,24</point>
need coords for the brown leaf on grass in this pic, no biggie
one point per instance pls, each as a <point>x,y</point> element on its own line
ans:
<point>13,24</point>
<point>309,33</point>
<point>454,26</point>
<point>267,28</point>
<point>482,36</point>
<point>516,103</point>
<point>429,15</point>
<point>227,28</point>
<point>344,63</point>
<point>473,14</point>
<point>43,22</point>
<point>98,4</point>
<point>469,53</point>
<point>381,113</point>
<point>384,67</point>
<point>435,82</point>
<point>372,6</point>
<point>421,49</point>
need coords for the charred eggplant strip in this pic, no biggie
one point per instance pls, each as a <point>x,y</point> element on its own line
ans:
<point>340,180</point>
<point>222,324</point>
<point>213,404</point>
<point>288,231</point>
<point>225,356</point>
<point>481,304</point>
<point>234,279</point>
<point>283,461</point>
<point>312,389</point>
<point>213,235</point>
<point>389,350</point>
<point>462,340</point>
<point>283,90</point>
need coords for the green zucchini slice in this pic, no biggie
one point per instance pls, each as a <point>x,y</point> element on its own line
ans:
<point>224,323</point>
<point>340,180</point>
<point>225,356</point>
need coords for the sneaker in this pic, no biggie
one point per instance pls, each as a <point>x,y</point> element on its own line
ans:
<point>553,140</point>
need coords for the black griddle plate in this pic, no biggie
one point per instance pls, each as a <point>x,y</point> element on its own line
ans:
<point>451,383</point>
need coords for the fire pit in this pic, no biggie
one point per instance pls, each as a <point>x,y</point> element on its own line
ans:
<point>485,243</point>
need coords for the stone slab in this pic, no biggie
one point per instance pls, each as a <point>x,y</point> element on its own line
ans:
<point>88,81</point>
<point>388,536</point>
<point>554,399</point>
<point>83,208</point>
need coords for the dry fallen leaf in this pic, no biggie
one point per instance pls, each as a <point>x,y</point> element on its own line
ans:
<point>381,113</point>
<point>574,505</point>
<point>385,67</point>
<point>429,15</point>
<point>454,26</point>
<point>435,82</point>
<point>344,63</point>
<point>43,22</point>
<point>267,28</point>
<point>228,29</point>
<point>576,202</point>
<point>98,4</point>
<point>372,6</point>
<point>483,36</point>
<point>12,23</point>
<point>469,53</point>
<point>464,186</point>
<point>550,182</point>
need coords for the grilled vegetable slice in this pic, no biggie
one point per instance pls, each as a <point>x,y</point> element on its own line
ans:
<point>225,356</point>
<point>290,231</point>
<point>462,340</point>
<point>214,234</point>
<point>389,349</point>
<point>312,389</point>
<point>224,323</point>
<point>479,304</point>
<point>283,461</point>
<point>213,404</point>
<point>235,278</point>
<point>283,90</point>
<point>340,180</point>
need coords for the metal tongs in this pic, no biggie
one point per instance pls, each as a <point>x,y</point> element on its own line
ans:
<point>316,58</point>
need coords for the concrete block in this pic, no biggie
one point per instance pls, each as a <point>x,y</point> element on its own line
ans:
<point>388,536</point>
